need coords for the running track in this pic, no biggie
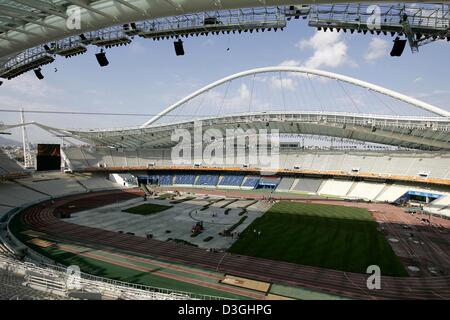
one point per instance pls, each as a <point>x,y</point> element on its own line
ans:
<point>42,218</point>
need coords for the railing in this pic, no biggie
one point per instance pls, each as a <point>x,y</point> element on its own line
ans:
<point>52,277</point>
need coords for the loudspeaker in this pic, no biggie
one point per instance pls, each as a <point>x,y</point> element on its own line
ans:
<point>101,58</point>
<point>179,50</point>
<point>38,73</point>
<point>399,46</point>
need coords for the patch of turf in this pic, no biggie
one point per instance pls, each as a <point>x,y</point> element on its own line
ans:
<point>327,236</point>
<point>147,209</point>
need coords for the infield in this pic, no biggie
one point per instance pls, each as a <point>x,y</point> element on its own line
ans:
<point>327,236</point>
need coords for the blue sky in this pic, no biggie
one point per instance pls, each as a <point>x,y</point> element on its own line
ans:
<point>146,76</point>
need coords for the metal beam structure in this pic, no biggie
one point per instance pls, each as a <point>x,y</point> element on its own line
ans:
<point>320,73</point>
<point>422,133</point>
<point>421,24</point>
<point>49,23</point>
<point>408,132</point>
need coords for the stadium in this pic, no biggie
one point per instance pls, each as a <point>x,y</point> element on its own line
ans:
<point>272,183</point>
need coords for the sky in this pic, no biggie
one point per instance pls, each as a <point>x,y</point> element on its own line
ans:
<point>147,76</point>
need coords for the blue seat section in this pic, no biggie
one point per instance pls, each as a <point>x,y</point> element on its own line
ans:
<point>251,182</point>
<point>268,183</point>
<point>207,180</point>
<point>166,180</point>
<point>232,181</point>
<point>184,179</point>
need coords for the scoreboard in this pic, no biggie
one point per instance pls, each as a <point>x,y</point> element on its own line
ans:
<point>48,157</point>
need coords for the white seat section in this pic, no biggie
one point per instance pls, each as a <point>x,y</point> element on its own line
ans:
<point>336,187</point>
<point>54,185</point>
<point>440,206</point>
<point>13,194</point>
<point>366,190</point>
<point>118,158</point>
<point>96,182</point>
<point>131,158</point>
<point>389,163</point>
<point>395,191</point>
<point>76,158</point>
<point>93,157</point>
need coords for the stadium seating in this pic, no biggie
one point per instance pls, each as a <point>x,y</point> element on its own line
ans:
<point>185,179</point>
<point>366,190</point>
<point>93,157</point>
<point>440,206</point>
<point>251,182</point>
<point>403,163</point>
<point>76,158</point>
<point>12,288</point>
<point>308,185</point>
<point>395,191</point>
<point>54,185</point>
<point>14,194</point>
<point>285,184</point>
<point>165,180</point>
<point>268,182</point>
<point>207,180</point>
<point>118,158</point>
<point>335,187</point>
<point>131,158</point>
<point>9,166</point>
<point>232,180</point>
<point>95,182</point>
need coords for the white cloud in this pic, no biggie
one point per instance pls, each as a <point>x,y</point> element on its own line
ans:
<point>378,48</point>
<point>290,63</point>
<point>244,93</point>
<point>418,79</point>
<point>285,83</point>
<point>329,50</point>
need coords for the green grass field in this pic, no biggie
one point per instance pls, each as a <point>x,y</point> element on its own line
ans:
<point>147,209</point>
<point>327,236</point>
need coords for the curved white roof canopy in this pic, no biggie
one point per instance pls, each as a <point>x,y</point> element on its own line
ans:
<point>28,23</point>
<point>412,101</point>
